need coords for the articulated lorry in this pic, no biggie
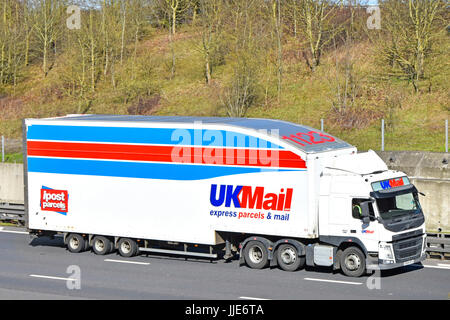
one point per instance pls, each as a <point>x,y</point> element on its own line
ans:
<point>269,192</point>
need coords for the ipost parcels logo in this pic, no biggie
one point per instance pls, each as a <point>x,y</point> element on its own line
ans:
<point>54,200</point>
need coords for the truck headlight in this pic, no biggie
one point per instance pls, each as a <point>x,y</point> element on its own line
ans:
<point>385,251</point>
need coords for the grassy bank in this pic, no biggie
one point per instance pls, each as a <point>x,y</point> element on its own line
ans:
<point>146,85</point>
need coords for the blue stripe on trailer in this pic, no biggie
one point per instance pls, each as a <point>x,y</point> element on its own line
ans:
<point>165,136</point>
<point>164,171</point>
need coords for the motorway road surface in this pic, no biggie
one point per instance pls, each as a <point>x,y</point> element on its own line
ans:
<point>44,269</point>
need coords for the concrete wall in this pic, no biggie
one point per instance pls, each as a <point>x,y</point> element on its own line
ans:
<point>427,170</point>
<point>11,182</point>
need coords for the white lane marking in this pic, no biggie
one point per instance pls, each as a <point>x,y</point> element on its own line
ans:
<point>444,265</point>
<point>333,281</point>
<point>252,298</point>
<point>50,277</point>
<point>12,231</point>
<point>438,266</point>
<point>125,261</point>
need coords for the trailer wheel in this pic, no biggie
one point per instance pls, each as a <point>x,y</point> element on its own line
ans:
<point>353,262</point>
<point>102,245</point>
<point>255,255</point>
<point>127,247</point>
<point>288,258</point>
<point>76,243</point>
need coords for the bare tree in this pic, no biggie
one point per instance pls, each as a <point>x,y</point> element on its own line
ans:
<point>174,8</point>
<point>318,28</point>
<point>246,31</point>
<point>277,35</point>
<point>241,94</point>
<point>12,41</point>
<point>210,21</point>
<point>410,28</point>
<point>47,27</point>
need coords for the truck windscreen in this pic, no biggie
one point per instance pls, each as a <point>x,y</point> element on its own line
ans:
<point>399,208</point>
<point>398,205</point>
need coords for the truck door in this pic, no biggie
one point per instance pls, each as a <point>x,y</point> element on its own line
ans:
<point>367,232</point>
<point>344,220</point>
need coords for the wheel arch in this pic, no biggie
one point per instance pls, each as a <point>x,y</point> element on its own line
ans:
<point>342,243</point>
<point>266,242</point>
<point>297,244</point>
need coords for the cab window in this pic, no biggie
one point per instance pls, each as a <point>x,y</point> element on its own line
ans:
<point>357,210</point>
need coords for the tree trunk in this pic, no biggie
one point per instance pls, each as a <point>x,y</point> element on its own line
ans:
<point>44,62</point>
<point>174,19</point>
<point>123,35</point>
<point>207,70</point>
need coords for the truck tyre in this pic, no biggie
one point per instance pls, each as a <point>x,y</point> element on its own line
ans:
<point>353,262</point>
<point>288,258</point>
<point>255,255</point>
<point>102,245</point>
<point>76,243</point>
<point>127,247</point>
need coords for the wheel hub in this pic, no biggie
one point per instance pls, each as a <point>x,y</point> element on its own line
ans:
<point>99,245</point>
<point>288,256</point>
<point>126,247</point>
<point>256,254</point>
<point>74,243</point>
<point>352,262</point>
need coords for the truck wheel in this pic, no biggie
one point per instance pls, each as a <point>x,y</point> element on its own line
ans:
<point>255,255</point>
<point>353,262</point>
<point>127,247</point>
<point>102,245</point>
<point>288,259</point>
<point>76,243</point>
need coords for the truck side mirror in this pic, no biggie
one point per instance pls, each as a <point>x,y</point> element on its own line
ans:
<point>365,211</point>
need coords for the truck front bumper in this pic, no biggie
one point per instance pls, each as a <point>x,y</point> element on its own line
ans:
<point>386,266</point>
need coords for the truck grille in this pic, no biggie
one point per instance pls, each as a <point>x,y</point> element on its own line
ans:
<point>408,249</point>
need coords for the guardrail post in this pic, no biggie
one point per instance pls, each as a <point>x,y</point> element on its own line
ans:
<point>446,135</point>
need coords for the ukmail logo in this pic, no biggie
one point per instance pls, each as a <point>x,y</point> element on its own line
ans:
<point>54,200</point>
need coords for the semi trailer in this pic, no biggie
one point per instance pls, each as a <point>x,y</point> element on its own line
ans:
<point>266,192</point>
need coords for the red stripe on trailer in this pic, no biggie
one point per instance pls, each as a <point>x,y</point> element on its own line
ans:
<point>175,154</point>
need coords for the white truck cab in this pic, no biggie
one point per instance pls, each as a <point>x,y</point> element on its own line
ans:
<point>363,202</point>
